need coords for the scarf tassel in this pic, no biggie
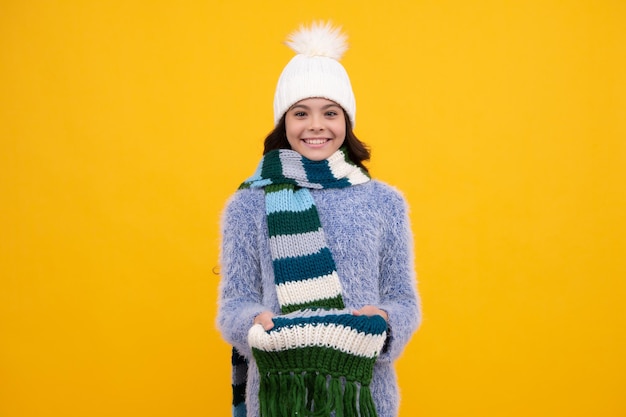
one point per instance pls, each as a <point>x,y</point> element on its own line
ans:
<point>312,394</point>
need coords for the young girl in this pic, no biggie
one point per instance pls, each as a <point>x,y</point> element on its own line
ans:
<point>318,292</point>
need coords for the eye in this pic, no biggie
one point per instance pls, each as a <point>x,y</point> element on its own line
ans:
<point>331,113</point>
<point>299,113</point>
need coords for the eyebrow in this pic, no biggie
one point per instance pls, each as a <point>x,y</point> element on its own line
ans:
<point>324,107</point>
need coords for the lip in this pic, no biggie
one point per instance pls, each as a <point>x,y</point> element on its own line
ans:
<point>316,142</point>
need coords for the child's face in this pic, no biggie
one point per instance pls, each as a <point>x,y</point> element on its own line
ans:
<point>316,128</point>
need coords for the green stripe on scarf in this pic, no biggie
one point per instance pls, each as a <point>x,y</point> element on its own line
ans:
<point>290,223</point>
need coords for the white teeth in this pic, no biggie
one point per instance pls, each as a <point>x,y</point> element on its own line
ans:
<point>315,141</point>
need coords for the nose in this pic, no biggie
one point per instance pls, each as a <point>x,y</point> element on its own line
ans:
<point>316,123</point>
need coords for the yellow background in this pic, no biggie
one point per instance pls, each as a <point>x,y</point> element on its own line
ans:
<point>124,126</point>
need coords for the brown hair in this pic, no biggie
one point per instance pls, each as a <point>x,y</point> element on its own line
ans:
<point>358,152</point>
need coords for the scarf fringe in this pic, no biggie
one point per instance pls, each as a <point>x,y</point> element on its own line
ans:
<point>311,394</point>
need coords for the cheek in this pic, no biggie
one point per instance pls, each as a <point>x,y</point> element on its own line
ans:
<point>340,130</point>
<point>291,125</point>
<point>288,128</point>
<point>292,132</point>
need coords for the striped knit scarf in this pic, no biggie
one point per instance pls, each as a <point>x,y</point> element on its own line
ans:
<point>318,357</point>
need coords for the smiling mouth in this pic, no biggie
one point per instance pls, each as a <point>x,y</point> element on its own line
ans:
<point>315,141</point>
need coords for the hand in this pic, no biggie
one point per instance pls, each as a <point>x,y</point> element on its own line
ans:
<point>369,311</point>
<point>265,320</point>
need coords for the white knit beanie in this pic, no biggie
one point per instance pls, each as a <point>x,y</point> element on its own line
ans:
<point>315,71</point>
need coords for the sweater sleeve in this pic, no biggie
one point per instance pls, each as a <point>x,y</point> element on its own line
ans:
<point>398,291</point>
<point>240,297</point>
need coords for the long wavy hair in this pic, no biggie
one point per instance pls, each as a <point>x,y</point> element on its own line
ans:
<point>358,152</point>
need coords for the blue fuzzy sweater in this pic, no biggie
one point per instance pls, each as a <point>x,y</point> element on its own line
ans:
<point>367,229</point>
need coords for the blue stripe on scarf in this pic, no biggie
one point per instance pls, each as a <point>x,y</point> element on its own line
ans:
<point>306,267</point>
<point>367,324</point>
<point>288,200</point>
<point>262,182</point>
<point>240,410</point>
<point>319,172</point>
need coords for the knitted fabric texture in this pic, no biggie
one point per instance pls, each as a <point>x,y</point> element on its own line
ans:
<point>318,357</point>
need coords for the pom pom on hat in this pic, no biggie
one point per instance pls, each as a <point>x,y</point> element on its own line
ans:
<point>321,39</point>
<point>315,71</point>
